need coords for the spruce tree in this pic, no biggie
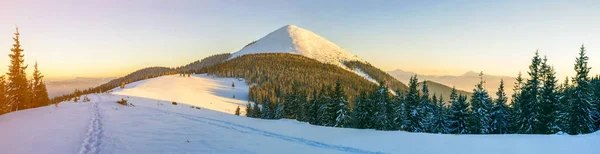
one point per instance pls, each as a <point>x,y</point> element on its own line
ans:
<point>17,91</point>
<point>380,98</point>
<point>440,122</point>
<point>266,110</point>
<point>500,116</point>
<point>40,94</point>
<point>4,108</point>
<point>548,107</point>
<point>237,111</point>
<point>291,102</point>
<point>515,105</point>
<point>256,111</point>
<point>279,111</point>
<point>426,109</point>
<point>580,110</point>
<point>530,98</point>
<point>564,105</point>
<point>249,110</point>
<point>459,114</point>
<point>413,106</point>
<point>401,111</point>
<point>361,116</point>
<point>481,109</point>
<point>342,108</point>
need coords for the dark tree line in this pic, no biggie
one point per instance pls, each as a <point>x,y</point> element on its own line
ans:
<point>540,105</point>
<point>17,92</point>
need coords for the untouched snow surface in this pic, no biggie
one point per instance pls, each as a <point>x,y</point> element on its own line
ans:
<point>154,125</point>
<point>295,40</point>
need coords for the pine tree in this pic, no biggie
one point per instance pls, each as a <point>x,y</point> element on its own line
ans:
<point>279,111</point>
<point>580,110</point>
<point>40,94</point>
<point>237,111</point>
<point>401,111</point>
<point>266,110</point>
<point>596,106</point>
<point>413,106</point>
<point>361,116</point>
<point>500,116</point>
<point>256,111</point>
<point>17,91</point>
<point>440,123</point>
<point>249,110</point>
<point>380,98</point>
<point>530,98</point>
<point>548,107</point>
<point>4,108</point>
<point>291,102</point>
<point>459,114</point>
<point>426,109</point>
<point>342,108</point>
<point>481,104</point>
<point>515,105</point>
<point>564,105</point>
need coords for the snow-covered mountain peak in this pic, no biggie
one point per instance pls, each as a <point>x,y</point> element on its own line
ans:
<point>295,40</point>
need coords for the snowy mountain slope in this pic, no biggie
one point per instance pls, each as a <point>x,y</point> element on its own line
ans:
<point>295,40</point>
<point>155,126</point>
<point>198,90</point>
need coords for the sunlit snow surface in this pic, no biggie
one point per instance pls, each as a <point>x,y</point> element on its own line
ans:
<point>154,125</point>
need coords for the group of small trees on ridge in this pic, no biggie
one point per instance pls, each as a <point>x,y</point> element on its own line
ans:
<point>539,105</point>
<point>17,92</point>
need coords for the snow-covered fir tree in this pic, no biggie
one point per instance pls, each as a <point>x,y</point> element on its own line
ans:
<point>426,109</point>
<point>361,114</point>
<point>515,105</point>
<point>481,104</point>
<point>440,114</point>
<point>580,108</point>
<point>500,114</point>
<point>279,112</point>
<point>548,107</point>
<point>459,114</point>
<point>249,110</point>
<point>413,106</point>
<point>401,113</point>
<point>530,98</point>
<point>342,108</point>
<point>380,98</point>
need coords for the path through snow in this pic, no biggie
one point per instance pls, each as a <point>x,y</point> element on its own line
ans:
<point>93,137</point>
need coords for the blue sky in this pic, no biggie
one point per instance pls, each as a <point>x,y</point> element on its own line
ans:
<point>73,38</point>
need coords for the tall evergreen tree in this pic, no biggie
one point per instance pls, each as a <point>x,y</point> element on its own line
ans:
<point>413,106</point>
<point>381,99</point>
<point>361,114</point>
<point>564,105</point>
<point>440,123</point>
<point>40,94</point>
<point>17,91</point>
<point>342,108</point>
<point>426,109</point>
<point>500,114</point>
<point>481,108</point>
<point>249,110</point>
<point>459,114</point>
<point>291,102</point>
<point>530,98</point>
<point>580,109</point>
<point>4,108</point>
<point>548,107</point>
<point>515,105</point>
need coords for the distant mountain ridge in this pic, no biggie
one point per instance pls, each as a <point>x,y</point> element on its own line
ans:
<point>465,82</point>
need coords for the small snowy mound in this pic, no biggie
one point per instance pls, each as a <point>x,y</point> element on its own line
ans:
<point>198,90</point>
<point>294,40</point>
